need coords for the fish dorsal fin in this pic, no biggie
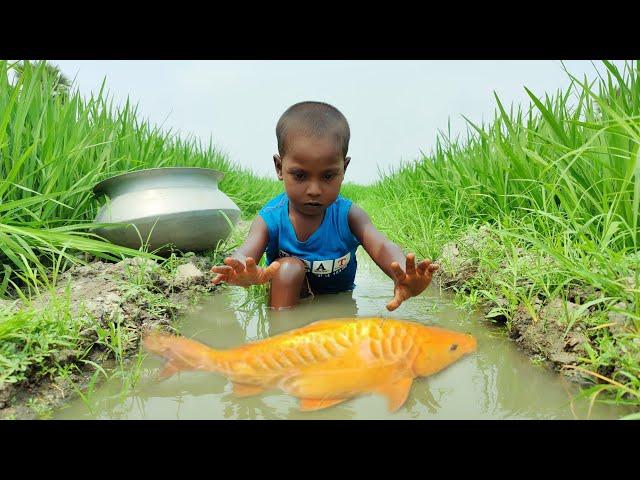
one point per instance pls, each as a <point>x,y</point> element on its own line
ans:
<point>396,392</point>
<point>246,389</point>
<point>310,404</point>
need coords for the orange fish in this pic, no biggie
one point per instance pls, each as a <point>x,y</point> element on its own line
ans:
<point>326,362</point>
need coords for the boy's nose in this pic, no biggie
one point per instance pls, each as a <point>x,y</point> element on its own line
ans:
<point>313,190</point>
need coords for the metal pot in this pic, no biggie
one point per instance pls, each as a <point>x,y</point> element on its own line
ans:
<point>179,206</point>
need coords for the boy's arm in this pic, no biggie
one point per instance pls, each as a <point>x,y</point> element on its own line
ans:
<point>382,250</point>
<point>409,281</point>
<point>241,267</point>
<point>256,242</point>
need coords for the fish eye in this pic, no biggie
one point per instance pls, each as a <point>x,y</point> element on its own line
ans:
<point>453,347</point>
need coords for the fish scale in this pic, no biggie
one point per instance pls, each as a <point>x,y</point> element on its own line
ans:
<point>326,362</point>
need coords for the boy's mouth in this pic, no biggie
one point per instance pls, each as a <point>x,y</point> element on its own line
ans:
<point>313,204</point>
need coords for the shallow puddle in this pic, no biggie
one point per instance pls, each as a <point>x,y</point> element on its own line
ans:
<point>496,382</point>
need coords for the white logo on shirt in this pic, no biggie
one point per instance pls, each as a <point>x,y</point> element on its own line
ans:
<point>322,267</point>
<point>341,263</point>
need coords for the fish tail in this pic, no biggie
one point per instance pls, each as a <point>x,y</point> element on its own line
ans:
<point>181,353</point>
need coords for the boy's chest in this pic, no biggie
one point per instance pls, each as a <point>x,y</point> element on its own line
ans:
<point>317,244</point>
<point>322,255</point>
<point>304,228</point>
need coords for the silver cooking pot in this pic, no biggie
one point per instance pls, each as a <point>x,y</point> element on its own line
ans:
<point>178,206</point>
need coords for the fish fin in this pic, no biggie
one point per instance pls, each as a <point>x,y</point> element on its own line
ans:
<point>168,370</point>
<point>310,404</point>
<point>396,392</point>
<point>246,389</point>
<point>180,353</point>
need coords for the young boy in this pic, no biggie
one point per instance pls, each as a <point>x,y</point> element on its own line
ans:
<point>310,232</point>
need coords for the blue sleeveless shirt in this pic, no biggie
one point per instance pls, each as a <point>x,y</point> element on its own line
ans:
<point>329,254</point>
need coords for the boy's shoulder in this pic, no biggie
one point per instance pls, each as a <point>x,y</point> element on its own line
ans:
<point>342,200</point>
<point>274,204</point>
<point>343,205</point>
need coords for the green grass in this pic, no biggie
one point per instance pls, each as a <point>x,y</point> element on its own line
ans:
<point>35,339</point>
<point>31,339</point>
<point>53,150</point>
<point>555,186</point>
<point>558,186</point>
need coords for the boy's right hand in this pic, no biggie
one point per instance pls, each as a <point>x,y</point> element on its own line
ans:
<point>234,272</point>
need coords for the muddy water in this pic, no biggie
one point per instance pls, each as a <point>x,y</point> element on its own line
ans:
<point>496,382</point>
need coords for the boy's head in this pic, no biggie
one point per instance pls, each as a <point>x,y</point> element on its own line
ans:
<point>313,139</point>
<point>313,119</point>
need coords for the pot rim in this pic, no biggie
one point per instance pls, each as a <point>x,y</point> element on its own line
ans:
<point>103,186</point>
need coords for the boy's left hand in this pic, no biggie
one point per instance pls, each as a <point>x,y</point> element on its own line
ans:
<point>412,282</point>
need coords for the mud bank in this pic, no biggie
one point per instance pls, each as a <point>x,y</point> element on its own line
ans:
<point>556,331</point>
<point>136,294</point>
<point>131,296</point>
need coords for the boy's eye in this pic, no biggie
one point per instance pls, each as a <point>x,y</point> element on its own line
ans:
<point>298,176</point>
<point>329,176</point>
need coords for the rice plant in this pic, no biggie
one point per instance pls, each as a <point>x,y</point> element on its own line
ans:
<point>53,150</point>
<point>558,180</point>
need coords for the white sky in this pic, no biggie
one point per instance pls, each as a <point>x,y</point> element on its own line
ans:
<point>394,108</point>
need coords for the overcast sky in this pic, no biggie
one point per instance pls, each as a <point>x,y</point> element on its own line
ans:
<point>394,108</point>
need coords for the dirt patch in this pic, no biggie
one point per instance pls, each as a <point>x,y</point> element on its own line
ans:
<point>549,330</point>
<point>134,294</point>
<point>547,333</point>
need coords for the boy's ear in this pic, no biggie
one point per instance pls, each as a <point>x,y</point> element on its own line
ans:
<point>346,162</point>
<point>277,161</point>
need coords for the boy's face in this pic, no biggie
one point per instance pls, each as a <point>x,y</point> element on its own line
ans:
<point>312,170</point>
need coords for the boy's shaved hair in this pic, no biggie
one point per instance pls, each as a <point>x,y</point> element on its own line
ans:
<point>316,119</point>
